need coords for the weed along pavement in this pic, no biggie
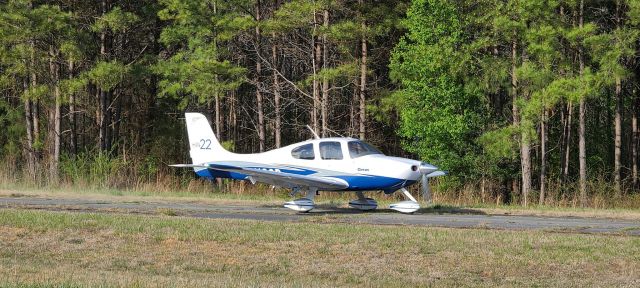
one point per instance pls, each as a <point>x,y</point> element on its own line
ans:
<point>430,217</point>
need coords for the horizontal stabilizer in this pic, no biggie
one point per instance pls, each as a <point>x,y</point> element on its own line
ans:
<point>189,166</point>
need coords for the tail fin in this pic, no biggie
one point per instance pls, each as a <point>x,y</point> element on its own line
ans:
<point>203,144</point>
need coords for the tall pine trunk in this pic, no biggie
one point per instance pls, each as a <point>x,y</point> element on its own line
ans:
<point>315,59</point>
<point>355,100</point>
<point>29,153</point>
<point>543,156</point>
<point>72,114</point>
<point>233,119</point>
<point>276,91</point>
<point>363,78</point>
<point>261,131</point>
<point>618,123</point>
<point>218,117</point>
<point>565,172</point>
<point>325,80</point>
<point>28,112</point>
<point>217,96</point>
<point>582,149</point>
<point>634,139</point>
<point>54,118</point>
<point>582,154</point>
<point>525,159</point>
<point>618,138</point>
<point>102,96</point>
<point>35,116</point>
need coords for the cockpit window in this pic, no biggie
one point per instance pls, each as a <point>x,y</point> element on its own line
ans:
<point>330,150</point>
<point>303,152</point>
<point>359,149</point>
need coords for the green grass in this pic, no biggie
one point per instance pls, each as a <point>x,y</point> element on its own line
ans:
<point>80,249</point>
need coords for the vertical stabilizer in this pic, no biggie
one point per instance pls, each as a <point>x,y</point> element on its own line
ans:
<point>203,144</point>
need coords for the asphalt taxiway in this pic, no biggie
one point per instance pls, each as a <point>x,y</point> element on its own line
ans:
<point>462,218</point>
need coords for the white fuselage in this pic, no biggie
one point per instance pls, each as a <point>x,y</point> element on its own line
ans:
<point>368,172</point>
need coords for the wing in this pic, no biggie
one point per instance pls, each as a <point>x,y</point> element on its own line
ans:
<point>278,175</point>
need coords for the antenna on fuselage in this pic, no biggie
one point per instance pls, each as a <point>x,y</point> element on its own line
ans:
<point>315,135</point>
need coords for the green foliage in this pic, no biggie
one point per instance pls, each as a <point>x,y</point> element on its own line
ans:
<point>634,12</point>
<point>150,165</point>
<point>102,170</point>
<point>73,85</point>
<point>439,118</point>
<point>611,50</point>
<point>447,94</point>
<point>499,144</point>
<point>229,145</point>
<point>198,74</point>
<point>35,92</point>
<point>48,20</point>
<point>107,74</point>
<point>197,70</point>
<point>293,15</point>
<point>342,72</point>
<point>198,22</point>
<point>115,21</point>
<point>13,129</point>
<point>90,167</point>
<point>71,50</point>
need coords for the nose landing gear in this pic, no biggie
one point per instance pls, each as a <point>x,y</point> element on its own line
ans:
<point>408,206</point>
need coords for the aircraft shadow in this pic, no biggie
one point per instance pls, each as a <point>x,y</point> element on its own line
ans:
<point>446,209</point>
<point>327,209</point>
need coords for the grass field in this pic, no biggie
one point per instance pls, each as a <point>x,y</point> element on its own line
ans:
<point>80,249</point>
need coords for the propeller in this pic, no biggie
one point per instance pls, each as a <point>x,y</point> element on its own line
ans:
<point>428,171</point>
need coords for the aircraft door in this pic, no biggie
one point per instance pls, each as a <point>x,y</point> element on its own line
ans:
<point>331,155</point>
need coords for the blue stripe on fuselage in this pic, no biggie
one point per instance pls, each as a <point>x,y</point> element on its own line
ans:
<point>370,182</point>
<point>356,182</point>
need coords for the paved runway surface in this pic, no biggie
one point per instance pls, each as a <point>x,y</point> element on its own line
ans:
<point>465,218</point>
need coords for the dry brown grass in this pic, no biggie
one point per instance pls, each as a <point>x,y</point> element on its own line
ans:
<point>40,247</point>
<point>601,195</point>
<point>626,214</point>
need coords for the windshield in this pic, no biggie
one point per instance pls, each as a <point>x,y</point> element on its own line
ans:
<point>359,149</point>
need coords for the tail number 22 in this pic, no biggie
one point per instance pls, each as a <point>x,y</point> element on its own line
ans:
<point>205,144</point>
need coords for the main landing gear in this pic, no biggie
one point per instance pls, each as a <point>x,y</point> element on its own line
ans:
<point>363,203</point>
<point>302,204</point>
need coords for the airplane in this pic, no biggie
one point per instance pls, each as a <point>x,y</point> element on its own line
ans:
<point>321,164</point>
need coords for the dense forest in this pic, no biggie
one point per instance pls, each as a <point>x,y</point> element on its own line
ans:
<point>522,101</point>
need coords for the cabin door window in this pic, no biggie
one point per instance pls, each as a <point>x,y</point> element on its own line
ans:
<point>330,150</point>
